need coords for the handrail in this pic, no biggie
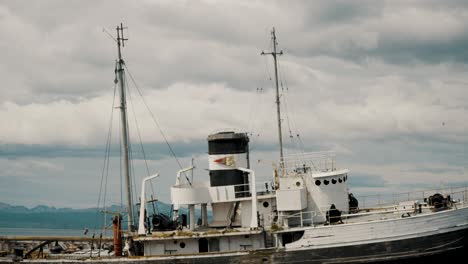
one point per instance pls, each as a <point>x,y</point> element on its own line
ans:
<point>310,162</point>
<point>301,217</point>
<point>345,217</point>
<point>365,201</point>
<point>260,188</point>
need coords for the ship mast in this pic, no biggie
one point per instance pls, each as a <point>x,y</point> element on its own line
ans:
<point>123,114</point>
<point>278,105</point>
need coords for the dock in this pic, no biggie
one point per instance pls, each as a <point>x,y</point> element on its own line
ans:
<point>27,245</point>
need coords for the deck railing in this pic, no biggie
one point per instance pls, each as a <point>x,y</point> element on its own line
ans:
<point>310,162</point>
<point>299,219</point>
<point>379,200</point>
<point>243,190</point>
<point>307,218</point>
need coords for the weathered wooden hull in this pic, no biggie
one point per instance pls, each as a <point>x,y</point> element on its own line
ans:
<point>444,246</point>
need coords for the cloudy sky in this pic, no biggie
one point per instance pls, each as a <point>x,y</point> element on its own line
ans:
<point>382,83</point>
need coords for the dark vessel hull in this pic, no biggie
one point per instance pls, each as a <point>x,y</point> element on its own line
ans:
<point>441,247</point>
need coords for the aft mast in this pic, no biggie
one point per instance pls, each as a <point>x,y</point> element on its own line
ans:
<point>278,104</point>
<point>123,114</point>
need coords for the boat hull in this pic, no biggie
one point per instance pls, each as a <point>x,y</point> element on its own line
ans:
<point>413,250</point>
<point>444,246</point>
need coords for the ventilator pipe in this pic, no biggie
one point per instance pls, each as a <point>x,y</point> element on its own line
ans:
<point>253,220</point>
<point>141,221</point>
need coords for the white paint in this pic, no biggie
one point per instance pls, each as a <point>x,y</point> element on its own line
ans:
<point>266,212</point>
<point>192,217</point>
<point>197,193</point>
<point>253,189</point>
<point>141,218</point>
<point>178,178</point>
<point>227,243</point>
<point>220,214</point>
<point>204,213</point>
<point>200,193</point>
<point>221,194</point>
<point>382,230</point>
<point>333,236</point>
<point>326,195</point>
<point>291,199</point>
<point>329,173</point>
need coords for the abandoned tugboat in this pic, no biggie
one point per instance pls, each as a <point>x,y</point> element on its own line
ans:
<point>305,214</point>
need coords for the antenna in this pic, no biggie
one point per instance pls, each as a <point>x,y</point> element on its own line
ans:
<point>120,36</point>
<point>278,111</point>
<point>109,34</point>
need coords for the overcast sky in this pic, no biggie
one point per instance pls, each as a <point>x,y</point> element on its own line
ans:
<point>382,83</point>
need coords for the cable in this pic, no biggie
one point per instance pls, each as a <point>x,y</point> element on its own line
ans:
<point>106,160</point>
<point>138,129</point>
<point>156,122</point>
<point>291,121</point>
<point>139,135</point>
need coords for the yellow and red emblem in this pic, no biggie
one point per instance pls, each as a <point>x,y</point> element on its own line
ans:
<point>227,161</point>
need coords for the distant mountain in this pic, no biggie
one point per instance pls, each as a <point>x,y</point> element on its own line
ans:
<point>43,216</point>
<point>11,208</point>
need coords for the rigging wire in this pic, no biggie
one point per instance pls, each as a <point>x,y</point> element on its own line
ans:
<point>268,71</point>
<point>131,171</point>
<point>132,179</point>
<point>291,121</point>
<point>157,123</point>
<point>293,118</point>
<point>255,124</point>
<point>105,167</point>
<point>139,135</point>
<point>286,110</point>
<point>255,105</point>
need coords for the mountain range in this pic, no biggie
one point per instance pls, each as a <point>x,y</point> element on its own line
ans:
<point>43,216</point>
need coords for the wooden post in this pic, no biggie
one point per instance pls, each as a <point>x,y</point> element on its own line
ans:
<point>117,224</point>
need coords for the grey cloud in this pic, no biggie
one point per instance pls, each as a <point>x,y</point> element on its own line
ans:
<point>199,42</point>
<point>436,170</point>
<point>398,150</point>
<point>153,151</point>
<point>360,80</point>
<point>342,11</point>
<point>410,51</point>
<point>363,180</point>
<point>397,32</point>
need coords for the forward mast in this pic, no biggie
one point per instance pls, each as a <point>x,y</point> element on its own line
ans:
<point>124,125</point>
<point>274,53</point>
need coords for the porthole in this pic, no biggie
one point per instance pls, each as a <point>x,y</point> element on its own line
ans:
<point>246,236</point>
<point>318,182</point>
<point>333,181</point>
<point>175,241</point>
<point>345,178</point>
<point>340,180</point>
<point>326,182</point>
<point>182,245</point>
<point>266,204</point>
<point>298,183</point>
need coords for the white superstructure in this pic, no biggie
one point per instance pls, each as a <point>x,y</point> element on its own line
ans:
<point>305,214</point>
<point>294,214</point>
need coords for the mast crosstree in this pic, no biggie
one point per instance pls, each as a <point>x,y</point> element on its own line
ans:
<point>123,114</point>
<point>274,53</point>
